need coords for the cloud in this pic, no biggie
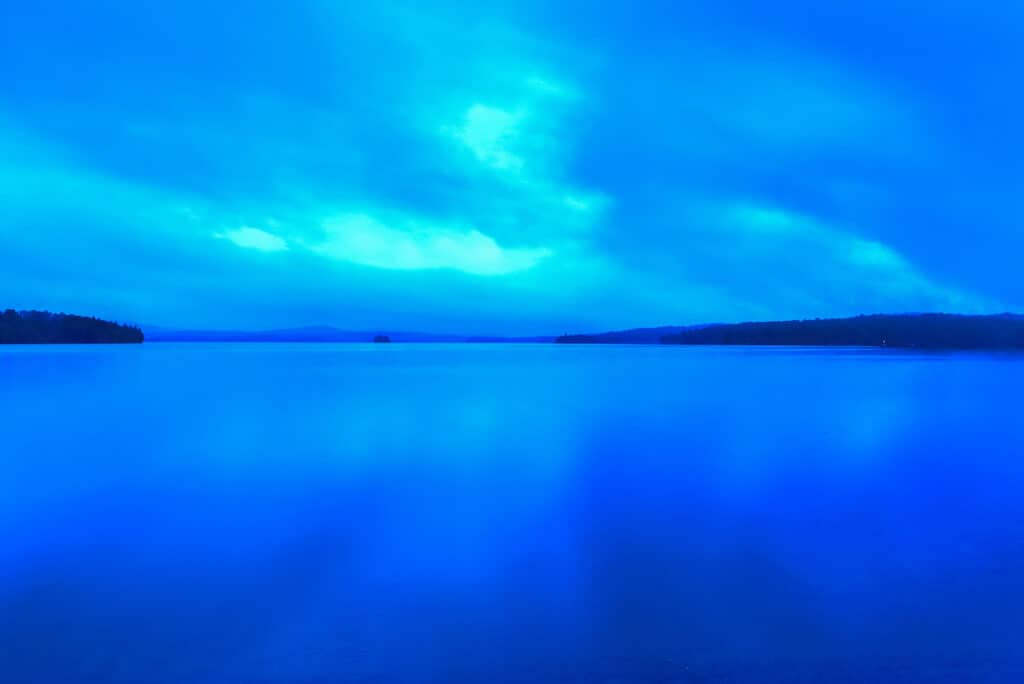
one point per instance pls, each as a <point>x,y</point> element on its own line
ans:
<point>633,170</point>
<point>490,133</point>
<point>414,245</point>
<point>510,164</point>
<point>254,238</point>
<point>831,266</point>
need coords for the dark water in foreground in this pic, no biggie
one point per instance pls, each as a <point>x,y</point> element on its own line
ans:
<point>345,513</point>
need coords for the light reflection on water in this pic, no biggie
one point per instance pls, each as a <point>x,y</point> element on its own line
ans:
<point>410,513</point>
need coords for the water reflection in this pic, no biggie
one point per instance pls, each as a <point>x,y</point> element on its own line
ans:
<point>281,513</point>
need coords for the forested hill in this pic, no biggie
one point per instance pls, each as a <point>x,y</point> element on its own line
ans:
<point>914,331</point>
<point>43,327</point>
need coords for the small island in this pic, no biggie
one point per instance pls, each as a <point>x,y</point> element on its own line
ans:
<point>381,339</point>
<point>43,327</point>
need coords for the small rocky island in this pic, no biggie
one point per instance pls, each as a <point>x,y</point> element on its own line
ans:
<point>43,327</point>
<point>381,339</point>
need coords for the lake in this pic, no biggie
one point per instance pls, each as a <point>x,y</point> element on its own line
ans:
<point>278,513</point>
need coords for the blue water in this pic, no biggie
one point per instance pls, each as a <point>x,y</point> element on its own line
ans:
<point>463,513</point>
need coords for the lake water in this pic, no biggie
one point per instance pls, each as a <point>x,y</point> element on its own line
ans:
<point>509,513</point>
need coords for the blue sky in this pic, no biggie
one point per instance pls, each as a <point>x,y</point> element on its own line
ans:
<point>510,167</point>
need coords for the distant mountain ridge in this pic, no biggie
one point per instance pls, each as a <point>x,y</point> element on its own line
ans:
<point>44,327</point>
<point>630,336</point>
<point>319,333</point>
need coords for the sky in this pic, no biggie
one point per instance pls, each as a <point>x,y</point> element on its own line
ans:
<point>510,168</point>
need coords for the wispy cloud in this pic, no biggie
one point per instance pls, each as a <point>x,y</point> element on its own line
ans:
<point>413,245</point>
<point>254,238</point>
<point>514,160</point>
<point>832,264</point>
<point>490,134</point>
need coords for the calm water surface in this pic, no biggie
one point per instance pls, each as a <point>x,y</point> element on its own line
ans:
<point>463,513</point>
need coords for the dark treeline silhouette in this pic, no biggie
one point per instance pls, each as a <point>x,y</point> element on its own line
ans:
<point>913,331</point>
<point>631,336</point>
<point>43,327</point>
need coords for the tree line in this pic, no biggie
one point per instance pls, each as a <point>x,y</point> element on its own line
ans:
<point>43,327</point>
<point>918,331</point>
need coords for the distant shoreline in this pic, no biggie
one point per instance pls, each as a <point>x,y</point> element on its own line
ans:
<point>43,327</point>
<point>899,331</point>
<point>928,331</point>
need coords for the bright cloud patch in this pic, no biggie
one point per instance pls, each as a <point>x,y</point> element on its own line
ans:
<point>254,238</point>
<point>512,166</point>
<point>413,245</point>
<point>489,133</point>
